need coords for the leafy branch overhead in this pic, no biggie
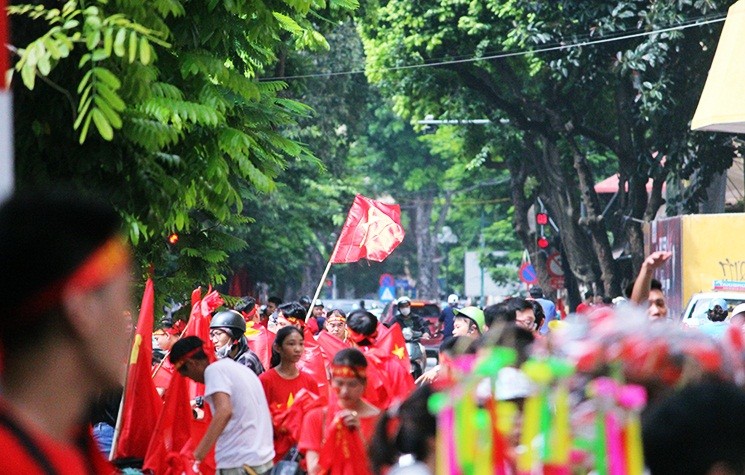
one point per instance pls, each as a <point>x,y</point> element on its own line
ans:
<point>183,124</point>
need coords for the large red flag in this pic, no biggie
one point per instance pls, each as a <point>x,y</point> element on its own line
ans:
<point>372,231</point>
<point>260,341</point>
<point>141,402</point>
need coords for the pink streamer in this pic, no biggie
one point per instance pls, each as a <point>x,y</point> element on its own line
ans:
<point>614,439</point>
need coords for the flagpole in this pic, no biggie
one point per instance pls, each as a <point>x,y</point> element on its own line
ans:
<point>118,426</point>
<point>318,289</point>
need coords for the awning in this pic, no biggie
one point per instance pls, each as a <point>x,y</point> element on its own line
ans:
<point>610,185</point>
<point>722,104</point>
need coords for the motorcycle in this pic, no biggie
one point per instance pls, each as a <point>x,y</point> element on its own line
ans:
<point>417,352</point>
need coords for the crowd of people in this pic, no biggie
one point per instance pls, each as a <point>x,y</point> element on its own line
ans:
<point>295,387</point>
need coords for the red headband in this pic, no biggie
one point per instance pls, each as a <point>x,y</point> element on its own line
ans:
<point>178,364</point>
<point>343,371</point>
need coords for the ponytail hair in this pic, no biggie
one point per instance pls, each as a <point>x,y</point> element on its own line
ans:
<point>406,429</point>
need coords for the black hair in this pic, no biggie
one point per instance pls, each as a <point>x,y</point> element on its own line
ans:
<point>283,333</point>
<point>363,322</point>
<point>44,237</point>
<point>499,312</point>
<point>275,300</point>
<point>655,285</point>
<point>350,357</point>
<point>470,321</point>
<point>589,294</point>
<point>337,311</point>
<point>184,346</point>
<point>540,315</point>
<point>510,335</point>
<point>293,310</point>
<point>457,345</point>
<point>416,428</point>
<point>690,432</point>
<point>607,300</point>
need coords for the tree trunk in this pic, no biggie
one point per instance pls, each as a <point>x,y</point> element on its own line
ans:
<point>426,248</point>
<point>594,222</point>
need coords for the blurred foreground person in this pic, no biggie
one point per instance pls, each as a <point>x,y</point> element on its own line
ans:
<point>64,335</point>
<point>700,430</point>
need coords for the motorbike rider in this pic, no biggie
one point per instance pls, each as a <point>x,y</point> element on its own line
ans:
<point>407,319</point>
<point>227,332</point>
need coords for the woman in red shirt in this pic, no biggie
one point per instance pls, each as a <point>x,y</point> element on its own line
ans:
<point>282,384</point>
<point>334,438</point>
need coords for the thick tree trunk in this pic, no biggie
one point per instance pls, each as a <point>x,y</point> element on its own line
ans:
<point>594,222</point>
<point>426,249</point>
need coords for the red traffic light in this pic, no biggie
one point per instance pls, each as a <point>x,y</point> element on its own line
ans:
<point>172,238</point>
<point>542,242</point>
<point>541,219</point>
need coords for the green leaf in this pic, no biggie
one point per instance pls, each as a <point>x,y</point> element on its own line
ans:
<point>102,124</point>
<point>111,97</point>
<point>84,130</point>
<point>121,37</point>
<point>111,115</point>
<point>132,46</point>
<point>108,41</point>
<point>107,77</point>
<point>99,54</point>
<point>144,51</point>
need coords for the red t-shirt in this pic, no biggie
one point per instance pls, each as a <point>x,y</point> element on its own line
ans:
<point>279,392</point>
<point>312,434</point>
<point>64,459</point>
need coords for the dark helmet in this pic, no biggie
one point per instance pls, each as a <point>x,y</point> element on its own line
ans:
<point>305,301</point>
<point>230,319</point>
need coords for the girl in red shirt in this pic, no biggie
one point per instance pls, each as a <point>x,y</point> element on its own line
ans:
<point>334,438</point>
<point>282,383</point>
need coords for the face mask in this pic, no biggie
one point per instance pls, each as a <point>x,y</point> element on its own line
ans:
<point>405,311</point>
<point>223,351</point>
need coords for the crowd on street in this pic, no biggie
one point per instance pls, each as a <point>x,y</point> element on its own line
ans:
<point>617,387</point>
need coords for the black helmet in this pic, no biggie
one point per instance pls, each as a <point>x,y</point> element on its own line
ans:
<point>230,319</point>
<point>305,301</point>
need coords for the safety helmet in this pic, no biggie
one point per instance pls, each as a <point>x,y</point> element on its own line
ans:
<point>452,299</point>
<point>475,314</point>
<point>304,301</point>
<point>403,302</point>
<point>229,319</point>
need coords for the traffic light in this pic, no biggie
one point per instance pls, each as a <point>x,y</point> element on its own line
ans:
<point>541,219</point>
<point>542,242</point>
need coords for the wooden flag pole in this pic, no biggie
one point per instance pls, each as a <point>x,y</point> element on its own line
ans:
<point>323,278</point>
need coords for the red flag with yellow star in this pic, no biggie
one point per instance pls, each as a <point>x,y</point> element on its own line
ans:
<point>372,231</point>
<point>391,342</point>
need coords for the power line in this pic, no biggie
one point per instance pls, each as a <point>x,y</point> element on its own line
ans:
<point>559,47</point>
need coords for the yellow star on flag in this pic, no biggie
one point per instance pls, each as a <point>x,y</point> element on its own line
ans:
<point>290,400</point>
<point>398,351</point>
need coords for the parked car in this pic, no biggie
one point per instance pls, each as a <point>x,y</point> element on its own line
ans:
<point>695,312</point>
<point>349,305</point>
<point>427,309</point>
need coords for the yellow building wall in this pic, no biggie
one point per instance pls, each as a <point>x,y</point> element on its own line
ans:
<point>713,248</point>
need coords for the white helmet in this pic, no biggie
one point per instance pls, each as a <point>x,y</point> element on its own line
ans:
<point>452,299</point>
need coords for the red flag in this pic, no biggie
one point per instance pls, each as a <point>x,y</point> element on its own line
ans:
<point>141,404</point>
<point>343,452</point>
<point>330,345</point>
<point>176,435</point>
<point>312,363</point>
<point>4,40</point>
<point>391,343</point>
<point>260,341</point>
<point>372,231</point>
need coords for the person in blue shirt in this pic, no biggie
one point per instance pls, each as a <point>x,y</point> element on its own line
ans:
<point>549,308</point>
<point>447,317</point>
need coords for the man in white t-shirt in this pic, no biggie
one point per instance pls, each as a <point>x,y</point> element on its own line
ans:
<point>241,425</point>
